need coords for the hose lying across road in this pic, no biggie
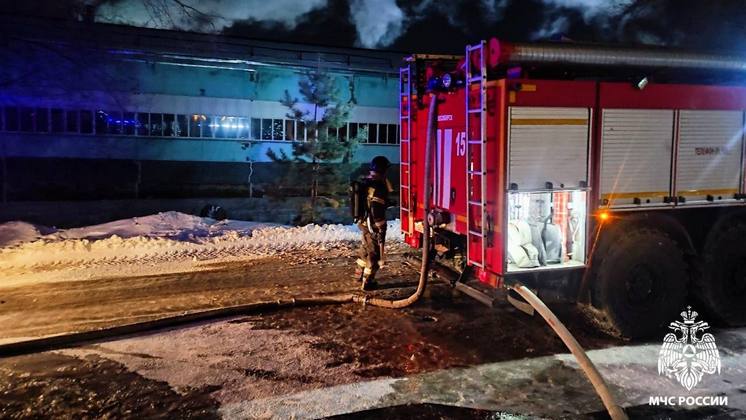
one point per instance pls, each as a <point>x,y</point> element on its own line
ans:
<point>73,339</point>
<point>615,411</point>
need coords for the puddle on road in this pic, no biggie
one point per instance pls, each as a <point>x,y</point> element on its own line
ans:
<point>436,333</point>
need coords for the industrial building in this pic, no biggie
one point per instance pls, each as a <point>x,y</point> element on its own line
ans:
<point>106,112</point>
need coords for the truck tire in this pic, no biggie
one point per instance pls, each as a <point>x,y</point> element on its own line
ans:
<point>640,284</point>
<point>722,286</point>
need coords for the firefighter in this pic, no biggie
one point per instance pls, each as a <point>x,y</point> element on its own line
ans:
<point>373,226</point>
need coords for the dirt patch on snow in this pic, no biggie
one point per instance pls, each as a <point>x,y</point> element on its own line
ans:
<point>50,385</point>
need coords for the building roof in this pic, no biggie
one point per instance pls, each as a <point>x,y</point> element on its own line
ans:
<point>189,47</point>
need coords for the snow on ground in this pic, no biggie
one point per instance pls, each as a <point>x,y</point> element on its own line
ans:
<point>163,243</point>
<point>168,225</point>
<point>268,373</point>
<point>235,358</point>
<point>14,233</point>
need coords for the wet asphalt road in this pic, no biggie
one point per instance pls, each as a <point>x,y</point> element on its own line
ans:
<point>379,363</point>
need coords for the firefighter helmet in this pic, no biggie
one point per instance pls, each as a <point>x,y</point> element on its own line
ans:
<point>379,164</point>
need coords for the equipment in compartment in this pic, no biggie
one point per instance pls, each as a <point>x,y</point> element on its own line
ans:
<point>546,229</point>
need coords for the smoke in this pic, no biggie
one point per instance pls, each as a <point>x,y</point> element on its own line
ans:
<point>596,13</point>
<point>490,11</point>
<point>552,27</point>
<point>378,22</point>
<point>592,9</point>
<point>642,24</point>
<point>494,9</point>
<point>205,15</point>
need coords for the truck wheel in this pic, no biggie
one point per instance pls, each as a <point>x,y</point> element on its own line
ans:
<point>722,286</point>
<point>640,285</point>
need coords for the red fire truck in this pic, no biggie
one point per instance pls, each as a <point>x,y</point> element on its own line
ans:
<point>614,176</point>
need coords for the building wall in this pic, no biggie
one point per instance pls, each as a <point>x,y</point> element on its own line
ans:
<point>98,125</point>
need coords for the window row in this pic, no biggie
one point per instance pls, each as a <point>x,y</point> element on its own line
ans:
<point>54,120</point>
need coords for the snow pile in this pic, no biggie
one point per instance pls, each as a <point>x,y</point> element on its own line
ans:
<point>161,243</point>
<point>168,225</point>
<point>14,233</point>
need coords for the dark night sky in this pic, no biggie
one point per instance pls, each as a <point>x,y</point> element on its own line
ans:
<point>429,25</point>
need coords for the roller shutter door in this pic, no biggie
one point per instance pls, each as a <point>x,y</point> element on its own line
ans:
<point>709,155</point>
<point>636,156</point>
<point>548,145</point>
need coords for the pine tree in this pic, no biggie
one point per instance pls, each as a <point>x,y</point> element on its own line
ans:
<point>327,154</point>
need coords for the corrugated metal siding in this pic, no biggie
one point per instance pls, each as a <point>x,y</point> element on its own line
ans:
<point>548,145</point>
<point>636,155</point>
<point>709,155</point>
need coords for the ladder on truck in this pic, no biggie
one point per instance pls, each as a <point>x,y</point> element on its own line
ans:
<point>405,149</point>
<point>476,155</point>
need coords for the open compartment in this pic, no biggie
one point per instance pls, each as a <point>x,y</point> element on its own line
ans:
<point>546,229</point>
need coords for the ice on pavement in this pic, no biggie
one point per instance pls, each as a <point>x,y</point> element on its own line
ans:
<point>155,244</point>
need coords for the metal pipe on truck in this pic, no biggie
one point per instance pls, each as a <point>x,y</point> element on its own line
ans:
<point>508,53</point>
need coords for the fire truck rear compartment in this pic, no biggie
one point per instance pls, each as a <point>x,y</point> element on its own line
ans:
<point>547,178</point>
<point>546,230</point>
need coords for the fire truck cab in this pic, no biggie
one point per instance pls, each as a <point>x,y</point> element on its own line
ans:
<point>600,174</point>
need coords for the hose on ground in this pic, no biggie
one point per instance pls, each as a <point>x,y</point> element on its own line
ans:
<point>615,411</point>
<point>402,303</point>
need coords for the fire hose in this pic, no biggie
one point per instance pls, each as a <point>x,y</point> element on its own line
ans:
<point>424,268</point>
<point>615,411</point>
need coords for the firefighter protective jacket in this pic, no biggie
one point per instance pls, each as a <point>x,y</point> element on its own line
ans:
<point>377,200</point>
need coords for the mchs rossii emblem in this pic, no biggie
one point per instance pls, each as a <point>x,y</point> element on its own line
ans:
<point>688,352</point>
